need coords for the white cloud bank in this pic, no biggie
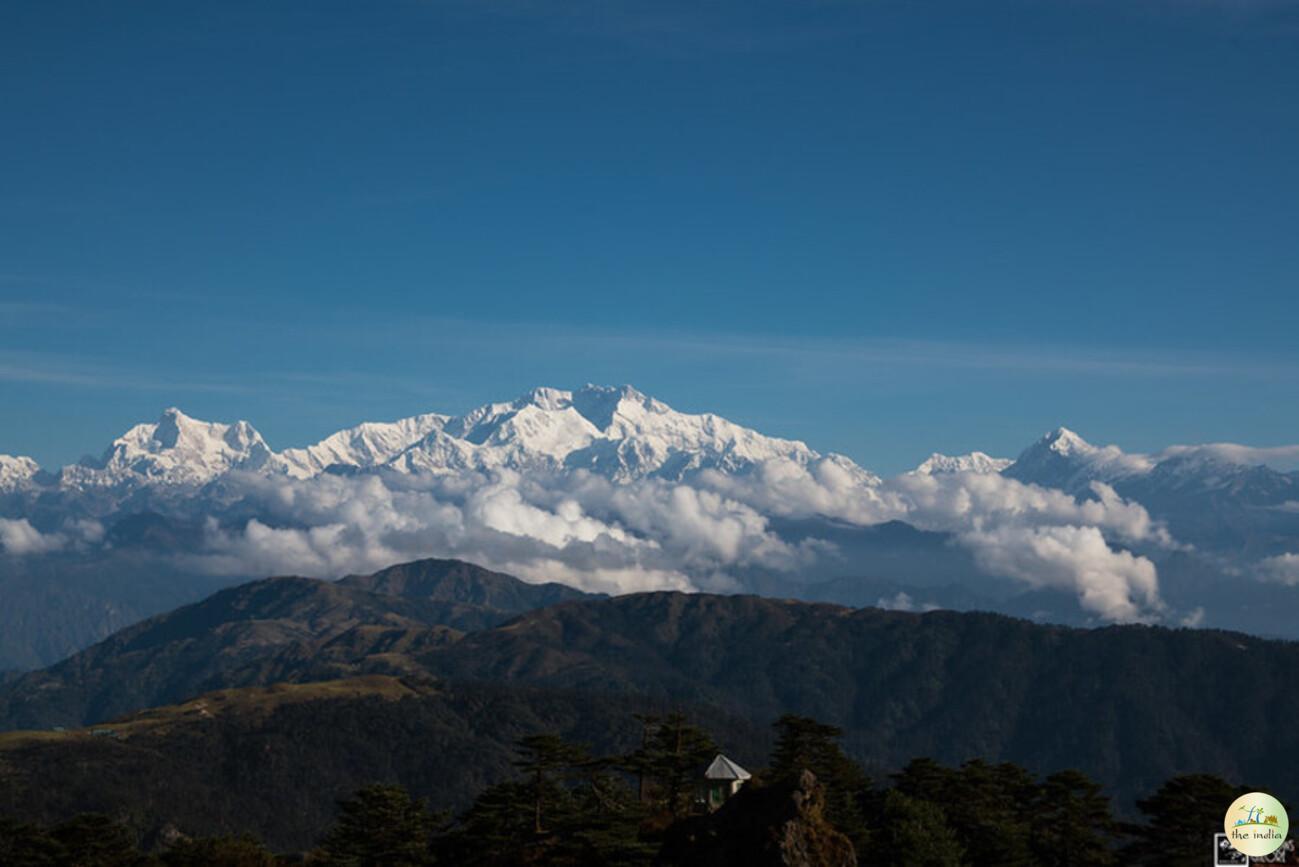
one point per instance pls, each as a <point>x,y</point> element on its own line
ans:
<point>653,534</point>
<point>1284,459</point>
<point>19,538</point>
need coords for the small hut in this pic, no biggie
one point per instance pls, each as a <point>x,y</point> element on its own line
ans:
<point>723,779</point>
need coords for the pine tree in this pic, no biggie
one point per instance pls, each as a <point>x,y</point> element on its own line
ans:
<point>498,825</point>
<point>912,833</point>
<point>1072,823</point>
<point>673,755</point>
<point>92,840</point>
<point>987,806</point>
<point>1182,819</point>
<point>554,814</point>
<point>380,824</point>
<point>242,851</point>
<point>605,825</point>
<point>805,744</point>
<point>547,762</point>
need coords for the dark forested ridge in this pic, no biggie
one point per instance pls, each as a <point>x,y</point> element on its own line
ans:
<point>1130,706</point>
<point>273,630</point>
<point>274,760</point>
<point>455,581</point>
<point>354,772</point>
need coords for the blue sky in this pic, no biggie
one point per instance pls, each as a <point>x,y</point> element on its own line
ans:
<point>885,228</point>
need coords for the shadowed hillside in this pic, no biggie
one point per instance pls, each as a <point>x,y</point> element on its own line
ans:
<point>1130,705</point>
<point>272,630</point>
<point>275,760</point>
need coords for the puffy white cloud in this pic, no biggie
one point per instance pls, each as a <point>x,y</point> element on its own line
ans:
<point>649,534</point>
<point>572,527</point>
<point>1113,584</point>
<point>1042,536</point>
<point>19,537</point>
<point>1281,569</point>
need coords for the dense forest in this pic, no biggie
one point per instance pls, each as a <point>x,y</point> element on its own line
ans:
<point>563,803</point>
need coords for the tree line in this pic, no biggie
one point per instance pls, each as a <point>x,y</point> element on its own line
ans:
<point>565,806</point>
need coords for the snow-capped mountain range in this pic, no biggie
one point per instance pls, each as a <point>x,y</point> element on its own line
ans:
<point>618,433</point>
<point>622,435</point>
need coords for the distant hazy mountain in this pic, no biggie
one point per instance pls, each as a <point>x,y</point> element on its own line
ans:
<point>1220,497</point>
<point>974,462</point>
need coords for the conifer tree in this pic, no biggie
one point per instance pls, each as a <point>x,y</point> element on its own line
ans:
<point>989,807</point>
<point>1072,824</point>
<point>912,833</point>
<point>93,840</point>
<point>240,851</point>
<point>380,824</point>
<point>805,744</point>
<point>673,754</point>
<point>1181,820</point>
<point>547,762</point>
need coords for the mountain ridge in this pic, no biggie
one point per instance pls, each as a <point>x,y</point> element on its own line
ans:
<point>617,431</point>
<point>1130,705</point>
<point>273,629</point>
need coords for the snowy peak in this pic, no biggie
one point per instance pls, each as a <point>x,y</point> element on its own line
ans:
<point>1065,442</point>
<point>617,432</point>
<point>16,472</point>
<point>369,444</point>
<point>601,406</point>
<point>175,450</point>
<point>1063,459</point>
<point>974,462</point>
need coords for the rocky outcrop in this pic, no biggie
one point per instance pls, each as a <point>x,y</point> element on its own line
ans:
<point>763,826</point>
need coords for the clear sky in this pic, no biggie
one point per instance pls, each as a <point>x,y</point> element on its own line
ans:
<point>882,227</point>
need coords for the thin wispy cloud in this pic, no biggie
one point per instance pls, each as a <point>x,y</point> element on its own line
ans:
<point>918,353</point>
<point>46,369</point>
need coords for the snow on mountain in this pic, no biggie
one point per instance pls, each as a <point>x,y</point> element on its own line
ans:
<point>367,445</point>
<point>1281,459</point>
<point>622,434</point>
<point>176,450</point>
<point>618,433</point>
<point>1219,497</point>
<point>1062,459</point>
<point>974,462</point>
<point>16,472</point>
